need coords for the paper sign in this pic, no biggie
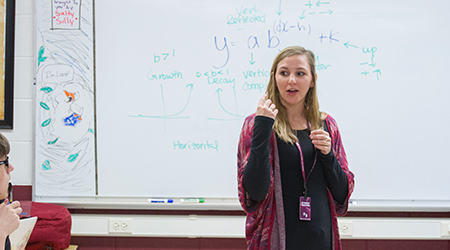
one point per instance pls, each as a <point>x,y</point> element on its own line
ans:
<point>66,14</point>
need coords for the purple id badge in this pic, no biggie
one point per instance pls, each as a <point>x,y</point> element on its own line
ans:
<point>305,208</point>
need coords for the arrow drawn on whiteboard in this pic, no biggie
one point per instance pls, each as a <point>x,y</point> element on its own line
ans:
<point>172,116</point>
<point>347,44</point>
<point>378,74</point>
<point>326,12</point>
<point>302,16</point>
<point>320,3</point>
<point>279,9</point>
<point>251,60</point>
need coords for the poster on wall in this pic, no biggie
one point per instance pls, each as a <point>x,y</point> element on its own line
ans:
<point>65,132</point>
<point>7,12</point>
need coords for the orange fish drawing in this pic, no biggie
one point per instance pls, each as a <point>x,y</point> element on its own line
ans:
<point>70,96</point>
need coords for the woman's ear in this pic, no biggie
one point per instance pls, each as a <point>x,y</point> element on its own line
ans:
<point>314,83</point>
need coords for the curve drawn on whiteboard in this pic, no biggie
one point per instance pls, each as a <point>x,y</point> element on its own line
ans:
<point>172,116</point>
<point>238,117</point>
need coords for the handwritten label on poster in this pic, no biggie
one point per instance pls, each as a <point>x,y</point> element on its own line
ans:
<point>66,14</point>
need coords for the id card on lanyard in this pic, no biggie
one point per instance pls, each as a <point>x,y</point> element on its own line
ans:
<point>305,201</point>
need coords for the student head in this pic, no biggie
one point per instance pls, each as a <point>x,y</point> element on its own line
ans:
<point>282,126</point>
<point>5,168</point>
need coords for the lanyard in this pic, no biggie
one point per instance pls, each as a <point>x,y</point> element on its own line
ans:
<point>302,162</point>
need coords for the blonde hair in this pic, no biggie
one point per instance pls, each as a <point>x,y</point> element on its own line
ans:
<point>282,126</point>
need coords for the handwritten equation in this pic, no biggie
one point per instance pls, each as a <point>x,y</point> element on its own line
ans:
<point>208,73</point>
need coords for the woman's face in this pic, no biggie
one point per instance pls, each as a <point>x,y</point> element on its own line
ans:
<point>294,79</point>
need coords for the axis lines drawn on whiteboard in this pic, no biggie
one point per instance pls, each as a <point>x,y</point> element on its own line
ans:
<point>279,28</point>
<point>176,115</point>
<point>165,116</point>
<point>213,77</point>
<point>271,38</point>
<point>65,98</point>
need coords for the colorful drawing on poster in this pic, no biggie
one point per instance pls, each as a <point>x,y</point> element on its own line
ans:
<point>65,139</point>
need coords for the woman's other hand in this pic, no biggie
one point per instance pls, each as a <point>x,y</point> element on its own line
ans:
<point>321,140</point>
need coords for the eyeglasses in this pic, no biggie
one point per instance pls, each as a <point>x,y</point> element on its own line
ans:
<point>6,162</point>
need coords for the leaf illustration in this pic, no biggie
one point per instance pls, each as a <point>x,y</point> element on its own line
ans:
<point>52,142</point>
<point>46,122</point>
<point>47,89</point>
<point>44,106</point>
<point>41,51</point>
<point>46,165</point>
<point>41,60</point>
<point>73,157</point>
<point>40,56</point>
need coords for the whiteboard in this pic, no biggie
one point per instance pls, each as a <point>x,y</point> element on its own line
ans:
<point>174,81</point>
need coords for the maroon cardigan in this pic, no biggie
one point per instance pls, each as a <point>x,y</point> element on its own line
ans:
<point>265,228</point>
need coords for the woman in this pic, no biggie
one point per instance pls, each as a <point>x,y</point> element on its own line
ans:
<point>293,177</point>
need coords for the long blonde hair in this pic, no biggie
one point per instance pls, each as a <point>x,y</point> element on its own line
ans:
<point>282,126</point>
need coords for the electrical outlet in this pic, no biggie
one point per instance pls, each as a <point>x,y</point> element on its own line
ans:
<point>346,228</point>
<point>445,229</point>
<point>118,225</point>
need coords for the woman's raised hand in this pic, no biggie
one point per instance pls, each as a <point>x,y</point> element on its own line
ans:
<point>266,108</point>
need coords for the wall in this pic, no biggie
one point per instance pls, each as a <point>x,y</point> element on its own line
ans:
<point>21,137</point>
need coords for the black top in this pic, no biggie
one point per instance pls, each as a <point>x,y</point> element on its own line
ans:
<point>314,234</point>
